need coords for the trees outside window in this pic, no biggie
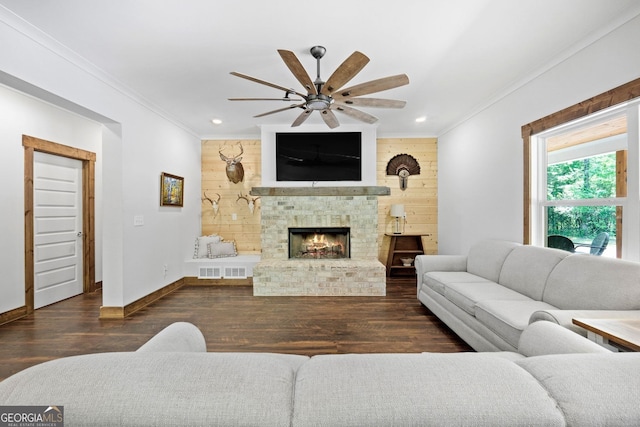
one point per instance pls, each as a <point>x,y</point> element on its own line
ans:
<point>588,178</point>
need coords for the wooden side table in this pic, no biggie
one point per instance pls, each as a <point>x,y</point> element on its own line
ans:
<point>403,246</point>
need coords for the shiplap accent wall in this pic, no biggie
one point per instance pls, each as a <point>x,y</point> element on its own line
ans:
<point>420,198</point>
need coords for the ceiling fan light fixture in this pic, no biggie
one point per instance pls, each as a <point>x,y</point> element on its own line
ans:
<point>318,102</point>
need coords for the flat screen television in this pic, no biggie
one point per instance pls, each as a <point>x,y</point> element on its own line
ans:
<point>318,156</point>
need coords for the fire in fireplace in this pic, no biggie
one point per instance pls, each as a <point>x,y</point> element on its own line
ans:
<point>319,243</point>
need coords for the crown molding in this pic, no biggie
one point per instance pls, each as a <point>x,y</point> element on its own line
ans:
<point>38,36</point>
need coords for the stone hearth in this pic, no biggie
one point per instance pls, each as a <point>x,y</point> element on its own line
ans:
<point>291,207</point>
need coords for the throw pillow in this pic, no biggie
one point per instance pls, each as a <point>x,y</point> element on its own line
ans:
<point>201,249</point>
<point>222,249</point>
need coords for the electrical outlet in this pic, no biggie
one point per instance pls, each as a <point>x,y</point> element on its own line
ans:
<point>138,221</point>
<point>165,269</point>
<point>234,216</point>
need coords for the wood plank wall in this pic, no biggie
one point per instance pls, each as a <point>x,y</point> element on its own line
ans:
<point>420,198</point>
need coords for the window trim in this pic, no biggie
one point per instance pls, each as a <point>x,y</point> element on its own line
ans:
<point>621,94</point>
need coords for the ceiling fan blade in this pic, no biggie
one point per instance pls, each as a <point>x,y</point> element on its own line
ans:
<point>372,102</point>
<point>373,86</point>
<point>262,82</point>
<point>264,99</point>
<point>345,72</point>
<point>301,118</point>
<point>292,61</point>
<point>329,118</point>
<point>356,114</point>
<point>279,110</point>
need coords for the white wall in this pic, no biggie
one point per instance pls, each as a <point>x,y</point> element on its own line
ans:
<point>480,161</point>
<point>25,115</point>
<point>137,144</point>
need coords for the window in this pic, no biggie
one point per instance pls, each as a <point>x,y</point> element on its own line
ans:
<point>581,180</point>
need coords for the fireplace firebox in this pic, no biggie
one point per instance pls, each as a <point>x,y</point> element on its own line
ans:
<point>319,243</point>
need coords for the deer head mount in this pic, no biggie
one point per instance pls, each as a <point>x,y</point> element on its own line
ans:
<point>251,202</point>
<point>403,165</point>
<point>234,169</point>
<point>214,203</point>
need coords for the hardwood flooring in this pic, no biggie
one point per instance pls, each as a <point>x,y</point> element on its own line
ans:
<point>232,319</point>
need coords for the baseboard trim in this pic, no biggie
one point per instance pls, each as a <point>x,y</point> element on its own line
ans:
<point>194,281</point>
<point>111,312</point>
<point>11,315</point>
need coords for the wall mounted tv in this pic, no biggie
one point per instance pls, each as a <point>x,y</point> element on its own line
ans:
<point>318,156</point>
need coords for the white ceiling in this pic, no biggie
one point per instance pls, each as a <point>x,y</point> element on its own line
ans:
<point>460,55</point>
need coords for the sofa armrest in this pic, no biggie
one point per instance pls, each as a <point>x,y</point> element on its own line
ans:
<point>427,263</point>
<point>177,337</point>
<point>541,338</point>
<point>565,317</point>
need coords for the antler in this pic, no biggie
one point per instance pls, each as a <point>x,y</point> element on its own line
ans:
<point>240,196</point>
<point>225,158</point>
<point>209,199</point>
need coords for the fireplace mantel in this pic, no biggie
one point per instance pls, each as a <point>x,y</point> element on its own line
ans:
<point>320,191</point>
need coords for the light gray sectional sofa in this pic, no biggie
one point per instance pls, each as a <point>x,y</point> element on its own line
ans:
<point>489,296</point>
<point>173,381</point>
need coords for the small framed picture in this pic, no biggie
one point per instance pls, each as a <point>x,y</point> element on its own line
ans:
<point>171,190</point>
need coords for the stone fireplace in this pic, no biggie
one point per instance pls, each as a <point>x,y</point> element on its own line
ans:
<point>319,268</point>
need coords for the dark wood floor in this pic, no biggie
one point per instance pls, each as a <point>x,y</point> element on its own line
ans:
<point>232,319</point>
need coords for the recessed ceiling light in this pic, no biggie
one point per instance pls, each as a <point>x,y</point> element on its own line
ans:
<point>421,119</point>
<point>216,121</point>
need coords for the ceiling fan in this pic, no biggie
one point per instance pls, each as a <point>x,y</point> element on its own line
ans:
<point>327,97</point>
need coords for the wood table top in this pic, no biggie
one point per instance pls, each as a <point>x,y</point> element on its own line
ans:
<point>625,332</point>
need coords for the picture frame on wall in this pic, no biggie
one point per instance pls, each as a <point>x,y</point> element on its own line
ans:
<point>171,190</point>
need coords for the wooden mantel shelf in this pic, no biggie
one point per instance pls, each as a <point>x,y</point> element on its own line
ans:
<point>320,191</point>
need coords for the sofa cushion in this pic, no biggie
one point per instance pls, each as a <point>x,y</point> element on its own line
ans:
<point>585,282</point>
<point>419,389</point>
<point>162,389</point>
<point>467,295</point>
<point>526,269</point>
<point>591,389</point>
<point>508,318</point>
<point>438,280</point>
<point>485,259</point>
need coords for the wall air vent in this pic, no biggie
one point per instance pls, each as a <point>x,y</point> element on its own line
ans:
<point>235,272</point>
<point>209,272</point>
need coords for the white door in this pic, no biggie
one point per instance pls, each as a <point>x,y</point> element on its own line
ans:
<point>57,225</point>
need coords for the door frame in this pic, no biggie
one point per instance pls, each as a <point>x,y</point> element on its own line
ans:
<point>32,144</point>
